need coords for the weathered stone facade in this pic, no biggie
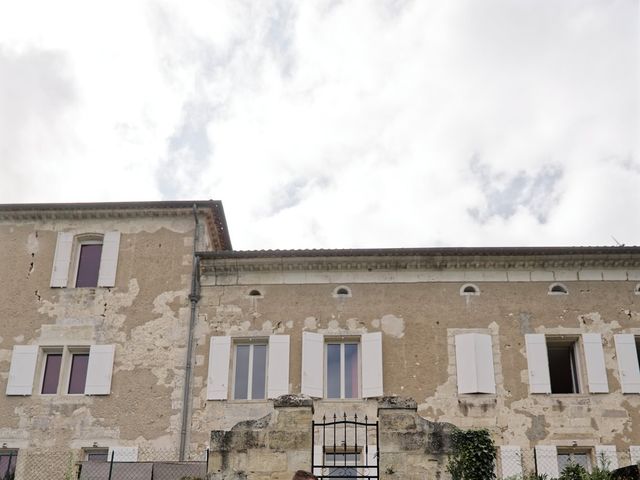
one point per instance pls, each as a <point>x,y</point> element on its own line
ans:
<point>405,311</point>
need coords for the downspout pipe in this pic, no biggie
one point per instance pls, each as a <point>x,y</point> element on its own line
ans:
<point>194,297</point>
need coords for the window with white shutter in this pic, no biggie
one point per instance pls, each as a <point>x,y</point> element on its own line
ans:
<point>474,363</point>
<point>628,362</point>
<point>312,364</point>
<point>22,370</point>
<point>371,344</point>
<point>109,259</point>
<point>511,461</point>
<point>547,460</point>
<point>61,259</point>
<point>607,457</point>
<point>218,378</point>
<point>538,363</point>
<point>278,375</point>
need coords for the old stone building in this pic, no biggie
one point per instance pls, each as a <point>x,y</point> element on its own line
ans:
<point>102,302</point>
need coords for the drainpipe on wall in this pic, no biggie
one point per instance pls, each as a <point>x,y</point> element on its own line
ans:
<point>194,296</point>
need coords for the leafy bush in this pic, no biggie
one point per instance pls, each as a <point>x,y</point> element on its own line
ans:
<point>473,456</point>
<point>573,471</point>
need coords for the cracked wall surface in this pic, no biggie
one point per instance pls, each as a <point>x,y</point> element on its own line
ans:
<point>145,315</point>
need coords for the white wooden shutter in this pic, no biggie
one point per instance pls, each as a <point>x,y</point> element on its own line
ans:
<point>627,363</point>
<point>547,461</point>
<point>371,461</point>
<point>318,458</point>
<point>474,363</point>
<point>538,362</point>
<point>99,370</point>
<point>371,364</point>
<point>594,356</point>
<point>511,461</point>
<point>278,374</point>
<point>218,378</point>
<point>606,457</point>
<point>61,259</point>
<point>109,259</point>
<point>124,454</point>
<point>312,364</point>
<point>22,370</point>
<point>634,454</point>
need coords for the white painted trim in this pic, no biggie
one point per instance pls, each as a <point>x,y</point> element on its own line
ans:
<point>476,290</point>
<point>558,285</point>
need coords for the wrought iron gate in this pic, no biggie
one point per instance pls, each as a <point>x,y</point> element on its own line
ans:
<point>345,448</point>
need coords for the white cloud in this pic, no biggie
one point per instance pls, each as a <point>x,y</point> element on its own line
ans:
<point>340,124</point>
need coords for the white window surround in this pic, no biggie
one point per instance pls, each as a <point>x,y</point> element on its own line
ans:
<point>343,343</point>
<point>251,371</point>
<point>341,291</point>
<point>27,361</point>
<point>222,368</point>
<point>558,288</point>
<point>67,255</point>
<point>314,362</point>
<point>469,289</point>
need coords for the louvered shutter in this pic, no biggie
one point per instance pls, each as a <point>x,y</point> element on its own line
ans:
<point>312,364</point>
<point>61,260</point>
<point>109,259</point>
<point>123,454</point>
<point>511,461</point>
<point>99,370</point>
<point>594,356</point>
<point>606,457</point>
<point>547,460</point>
<point>474,363</point>
<point>22,369</point>
<point>278,374</point>
<point>371,365</point>
<point>627,363</point>
<point>538,363</point>
<point>218,378</point>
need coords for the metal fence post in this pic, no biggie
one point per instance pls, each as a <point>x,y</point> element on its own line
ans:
<point>111,464</point>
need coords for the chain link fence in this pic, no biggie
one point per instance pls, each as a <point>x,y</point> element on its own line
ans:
<point>141,463</point>
<point>514,463</point>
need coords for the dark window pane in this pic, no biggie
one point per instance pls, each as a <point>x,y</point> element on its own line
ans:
<point>8,463</point>
<point>241,389</point>
<point>333,370</point>
<point>258,380</point>
<point>561,368</point>
<point>102,456</point>
<point>350,371</point>
<point>78,376</point>
<point>89,266</point>
<point>51,373</point>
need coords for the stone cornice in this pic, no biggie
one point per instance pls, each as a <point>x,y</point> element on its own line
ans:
<point>227,266</point>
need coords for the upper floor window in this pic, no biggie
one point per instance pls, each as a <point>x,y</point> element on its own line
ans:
<point>85,260</point>
<point>628,355</point>
<point>469,289</point>
<point>342,370</point>
<point>250,372</point>
<point>63,370</point>
<point>474,363</point>
<point>558,363</point>
<point>342,292</point>
<point>259,367</point>
<point>558,289</point>
<point>342,367</point>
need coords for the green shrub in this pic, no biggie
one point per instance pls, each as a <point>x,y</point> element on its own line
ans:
<point>473,456</point>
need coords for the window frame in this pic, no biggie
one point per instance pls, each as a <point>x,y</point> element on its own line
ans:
<point>78,243</point>
<point>12,453</point>
<point>576,362</point>
<point>350,464</point>
<point>251,342</point>
<point>46,351</point>
<point>342,341</point>
<point>86,452</point>
<point>571,451</point>
<point>67,352</point>
<point>71,352</point>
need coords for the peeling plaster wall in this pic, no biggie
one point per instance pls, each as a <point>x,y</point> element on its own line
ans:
<point>419,322</point>
<point>145,315</point>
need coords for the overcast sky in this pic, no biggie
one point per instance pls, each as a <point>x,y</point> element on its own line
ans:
<point>373,123</point>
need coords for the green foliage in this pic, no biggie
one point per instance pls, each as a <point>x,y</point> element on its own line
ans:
<point>573,471</point>
<point>473,456</point>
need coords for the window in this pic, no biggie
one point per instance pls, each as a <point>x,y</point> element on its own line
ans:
<point>250,372</point>
<point>341,464</point>
<point>342,292</point>
<point>474,363</point>
<point>342,372</point>
<point>51,374</point>
<point>469,289</point>
<point>558,289</point>
<point>89,255</point>
<point>86,260</point>
<point>96,454</point>
<point>342,367</point>
<point>628,355</point>
<point>563,366</point>
<point>8,459</point>
<point>80,370</point>
<point>78,373</point>
<point>580,456</point>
